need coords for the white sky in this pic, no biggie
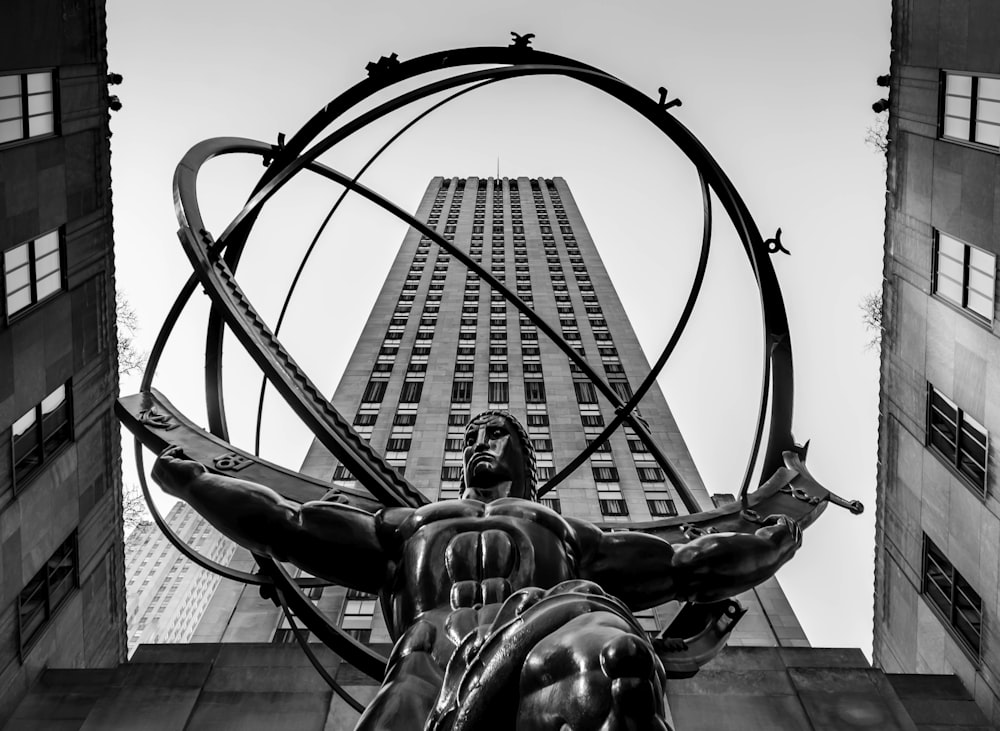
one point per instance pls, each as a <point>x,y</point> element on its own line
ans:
<point>778,90</point>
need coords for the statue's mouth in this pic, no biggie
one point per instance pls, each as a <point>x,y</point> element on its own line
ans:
<point>481,458</point>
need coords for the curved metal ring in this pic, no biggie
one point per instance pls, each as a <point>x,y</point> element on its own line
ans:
<point>733,204</point>
<point>322,227</point>
<point>774,318</point>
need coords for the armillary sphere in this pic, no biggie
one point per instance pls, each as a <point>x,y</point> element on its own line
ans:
<point>787,487</point>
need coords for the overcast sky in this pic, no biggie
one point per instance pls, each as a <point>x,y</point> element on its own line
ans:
<point>780,92</point>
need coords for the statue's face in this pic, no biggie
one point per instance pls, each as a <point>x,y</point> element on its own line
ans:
<point>494,460</point>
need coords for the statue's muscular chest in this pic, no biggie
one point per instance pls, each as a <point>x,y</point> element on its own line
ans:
<point>467,554</point>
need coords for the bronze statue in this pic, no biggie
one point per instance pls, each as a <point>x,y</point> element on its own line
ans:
<point>505,614</point>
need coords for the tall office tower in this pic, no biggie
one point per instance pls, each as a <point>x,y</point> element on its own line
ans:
<point>938,532</point>
<point>439,346</point>
<point>166,593</point>
<point>62,601</point>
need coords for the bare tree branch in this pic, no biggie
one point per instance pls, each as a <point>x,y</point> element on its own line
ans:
<point>134,510</point>
<point>877,136</point>
<point>871,315</point>
<point>130,360</point>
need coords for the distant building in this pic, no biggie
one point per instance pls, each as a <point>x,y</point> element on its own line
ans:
<point>167,593</point>
<point>62,601</point>
<point>938,525</point>
<point>439,347</point>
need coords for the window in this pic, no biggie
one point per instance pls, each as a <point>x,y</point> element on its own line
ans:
<point>498,392</point>
<point>458,419</point>
<point>39,434</point>
<point>32,271</point>
<point>45,593</point>
<point>661,507</point>
<point>971,109</point>
<point>342,473</point>
<point>612,505</point>
<point>398,445</point>
<point>365,419</point>
<point>958,438</point>
<point>411,392</point>
<point>604,446</point>
<point>586,393</point>
<point>650,474</point>
<point>451,472</point>
<point>605,474</point>
<point>957,603</point>
<point>27,106</point>
<point>622,388</point>
<point>374,392</point>
<point>637,445</point>
<point>964,275</point>
<point>359,613</point>
<point>542,445</point>
<point>534,392</point>
<point>461,392</point>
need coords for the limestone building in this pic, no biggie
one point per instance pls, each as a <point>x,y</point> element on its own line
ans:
<point>166,593</point>
<point>938,525</point>
<point>62,602</point>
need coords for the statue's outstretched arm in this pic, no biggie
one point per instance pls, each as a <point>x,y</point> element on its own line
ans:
<point>644,570</point>
<point>329,540</point>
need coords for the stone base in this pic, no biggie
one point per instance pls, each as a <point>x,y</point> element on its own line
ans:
<point>251,687</point>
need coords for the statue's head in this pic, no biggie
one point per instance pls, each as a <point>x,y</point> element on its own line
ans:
<point>499,459</point>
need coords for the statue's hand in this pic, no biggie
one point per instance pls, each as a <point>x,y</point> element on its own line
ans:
<point>783,530</point>
<point>174,472</point>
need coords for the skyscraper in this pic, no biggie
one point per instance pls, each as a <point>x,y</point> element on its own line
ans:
<point>166,593</point>
<point>938,522</point>
<point>439,346</point>
<point>62,600</point>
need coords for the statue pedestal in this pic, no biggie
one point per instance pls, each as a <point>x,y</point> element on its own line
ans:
<point>262,687</point>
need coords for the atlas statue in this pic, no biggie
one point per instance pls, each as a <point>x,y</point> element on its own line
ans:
<point>506,612</point>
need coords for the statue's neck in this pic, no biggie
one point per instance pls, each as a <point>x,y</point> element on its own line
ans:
<point>488,494</point>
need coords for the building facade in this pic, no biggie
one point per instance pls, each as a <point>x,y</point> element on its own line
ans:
<point>439,346</point>
<point>166,593</point>
<point>62,601</point>
<point>938,523</point>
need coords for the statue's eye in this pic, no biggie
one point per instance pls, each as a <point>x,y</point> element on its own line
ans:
<point>470,439</point>
<point>496,432</point>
